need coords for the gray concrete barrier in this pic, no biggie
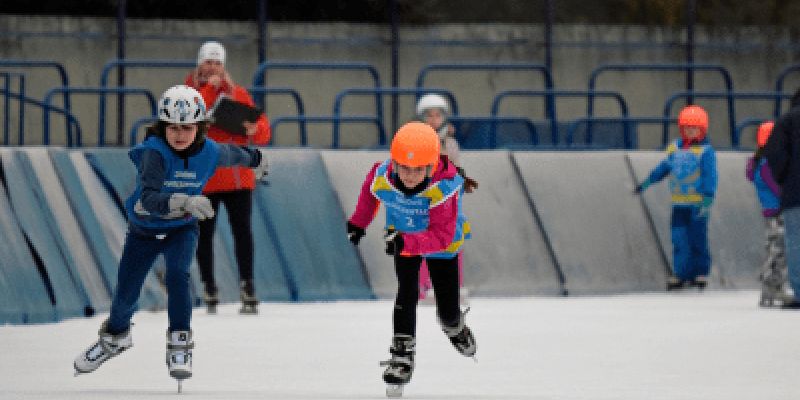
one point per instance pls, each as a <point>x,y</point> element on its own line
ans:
<point>598,230</point>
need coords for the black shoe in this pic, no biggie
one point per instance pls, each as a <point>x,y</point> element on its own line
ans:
<point>211,298</point>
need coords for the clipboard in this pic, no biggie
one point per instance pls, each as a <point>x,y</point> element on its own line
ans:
<point>228,115</point>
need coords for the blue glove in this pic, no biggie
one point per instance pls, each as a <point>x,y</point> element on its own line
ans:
<point>705,207</point>
<point>642,186</point>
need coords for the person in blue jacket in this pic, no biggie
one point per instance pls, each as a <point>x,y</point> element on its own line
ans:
<point>692,167</point>
<point>173,163</point>
<point>773,272</point>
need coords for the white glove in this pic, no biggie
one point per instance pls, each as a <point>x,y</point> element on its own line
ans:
<point>262,169</point>
<point>198,206</point>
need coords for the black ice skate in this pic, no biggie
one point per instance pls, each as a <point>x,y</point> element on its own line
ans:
<point>675,283</point>
<point>699,282</point>
<point>179,355</point>
<point>461,336</point>
<point>106,347</point>
<point>211,298</point>
<point>248,297</point>
<point>400,367</point>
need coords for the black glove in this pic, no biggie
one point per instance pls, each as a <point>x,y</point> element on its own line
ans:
<point>469,184</point>
<point>394,242</point>
<point>354,233</point>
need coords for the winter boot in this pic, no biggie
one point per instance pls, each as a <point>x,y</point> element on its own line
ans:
<point>400,367</point>
<point>461,336</point>
<point>249,299</point>
<point>179,354</point>
<point>106,347</point>
<point>211,298</point>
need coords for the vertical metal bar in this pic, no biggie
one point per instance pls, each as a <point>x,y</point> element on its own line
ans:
<point>394,18</point>
<point>691,16</point>
<point>21,123</point>
<point>549,13</point>
<point>262,31</point>
<point>7,106</point>
<point>121,15</point>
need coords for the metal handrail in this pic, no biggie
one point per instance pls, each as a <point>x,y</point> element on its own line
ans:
<point>744,124</point>
<point>71,120</point>
<point>138,124</point>
<point>298,101</point>
<point>493,120</point>
<point>331,118</point>
<point>7,106</point>
<point>779,85</point>
<point>93,90</point>
<point>378,92</point>
<point>573,126</point>
<point>731,96</point>
<point>498,98</point>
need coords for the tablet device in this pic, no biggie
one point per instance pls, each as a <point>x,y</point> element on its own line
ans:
<point>228,115</point>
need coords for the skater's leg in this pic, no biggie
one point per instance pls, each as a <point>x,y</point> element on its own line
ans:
<point>205,249</point>
<point>138,254</point>
<point>680,242</point>
<point>180,248</point>
<point>700,257</point>
<point>405,305</point>
<point>240,205</point>
<point>444,276</point>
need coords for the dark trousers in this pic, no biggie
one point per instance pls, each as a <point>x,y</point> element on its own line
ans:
<point>239,205</point>
<point>444,277</point>
<point>141,248</point>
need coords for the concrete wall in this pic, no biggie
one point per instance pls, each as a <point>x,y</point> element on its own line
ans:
<point>85,44</point>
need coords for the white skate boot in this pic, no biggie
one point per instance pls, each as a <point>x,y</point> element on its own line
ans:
<point>179,355</point>
<point>106,347</point>
<point>400,367</point>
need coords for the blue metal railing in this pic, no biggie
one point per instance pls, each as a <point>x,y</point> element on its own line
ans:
<point>298,101</point>
<point>259,81</point>
<point>533,134</point>
<point>690,68</point>
<point>7,106</point>
<point>730,96</point>
<point>499,97</point>
<point>92,90</point>
<point>779,85</point>
<point>550,107</point>
<point>747,122</point>
<point>378,92</point>
<point>127,64</point>
<point>62,74</point>
<point>369,119</point>
<point>71,120</point>
<point>138,124</point>
<point>627,121</point>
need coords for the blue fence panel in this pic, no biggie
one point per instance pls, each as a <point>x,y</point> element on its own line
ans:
<point>779,85</point>
<point>322,119</point>
<point>475,133</point>
<point>7,80</point>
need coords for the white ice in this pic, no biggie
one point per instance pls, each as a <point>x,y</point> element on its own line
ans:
<point>714,345</point>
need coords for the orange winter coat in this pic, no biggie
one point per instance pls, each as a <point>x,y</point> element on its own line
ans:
<point>228,179</point>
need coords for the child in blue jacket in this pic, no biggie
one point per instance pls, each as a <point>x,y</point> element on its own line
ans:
<point>173,163</point>
<point>773,274</point>
<point>692,168</point>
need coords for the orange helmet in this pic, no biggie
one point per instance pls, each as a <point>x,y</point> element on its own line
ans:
<point>415,144</point>
<point>764,130</point>
<point>693,116</point>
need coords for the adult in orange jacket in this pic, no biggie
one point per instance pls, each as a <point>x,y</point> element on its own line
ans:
<point>232,186</point>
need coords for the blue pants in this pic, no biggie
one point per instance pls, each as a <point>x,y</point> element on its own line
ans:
<point>690,254</point>
<point>142,246</point>
<point>791,221</point>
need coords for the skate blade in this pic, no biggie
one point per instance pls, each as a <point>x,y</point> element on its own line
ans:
<point>394,390</point>
<point>248,310</point>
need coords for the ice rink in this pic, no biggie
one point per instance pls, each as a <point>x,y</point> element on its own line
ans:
<point>714,345</point>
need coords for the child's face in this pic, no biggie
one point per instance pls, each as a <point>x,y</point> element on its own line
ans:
<point>209,68</point>
<point>411,176</point>
<point>434,117</point>
<point>692,132</point>
<point>181,136</point>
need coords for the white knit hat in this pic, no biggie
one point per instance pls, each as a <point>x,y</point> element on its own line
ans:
<point>211,51</point>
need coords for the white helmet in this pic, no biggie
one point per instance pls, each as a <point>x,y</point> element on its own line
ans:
<point>211,51</point>
<point>181,104</point>
<point>432,100</point>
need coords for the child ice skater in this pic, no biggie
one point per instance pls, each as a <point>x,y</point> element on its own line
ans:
<point>173,163</point>
<point>692,168</point>
<point>773,274</point>
<point>421,192</point>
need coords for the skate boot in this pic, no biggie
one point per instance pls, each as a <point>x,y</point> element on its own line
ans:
<point>699,282</point>
<point>211,298</point>
<point>772,288</point>
<point>674,283</point>
<point>249,299</point>
<point>461,336</point>
<point>179,355</point>
<point>106,347</point>
<point>400,367</point>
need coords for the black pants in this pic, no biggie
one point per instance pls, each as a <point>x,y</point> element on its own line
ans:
<point>239,205</point>
<point>444,277</point>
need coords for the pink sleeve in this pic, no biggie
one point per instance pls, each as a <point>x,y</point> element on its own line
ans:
<point>367,205</point>
<point>440,232</point>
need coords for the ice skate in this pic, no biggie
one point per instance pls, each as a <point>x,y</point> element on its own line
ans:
<point>400,367</point>
<point>248,297</point>
<point>179,355</point>
<point>699,282</point>
<point>211,298</point>
<point>674,283</point>
<point>461,336</point>
<point>106,347</point>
